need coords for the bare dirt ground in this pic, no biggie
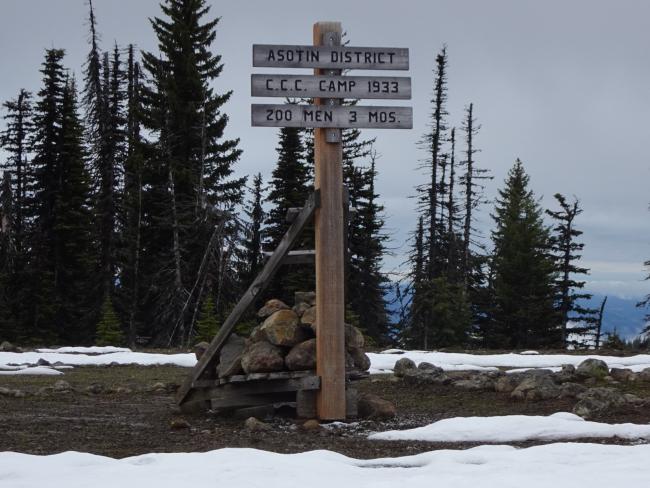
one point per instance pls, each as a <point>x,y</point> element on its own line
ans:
<point>139,420</point>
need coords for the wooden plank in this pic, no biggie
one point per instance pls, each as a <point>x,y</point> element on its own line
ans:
<point>360,117</point>
<point>305,86</point>
<point>330,347</point>
<point>301,256</point>
<point>337,57</point>
<point>259,284</point>
<point>236,401</point>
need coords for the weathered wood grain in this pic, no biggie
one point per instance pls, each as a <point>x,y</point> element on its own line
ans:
<point>322,116</point>
<point>305,86</point>
<point>260,283</point>
<point>338,57</point>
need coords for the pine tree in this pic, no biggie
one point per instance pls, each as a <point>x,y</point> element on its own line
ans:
<point>74,255</point>
<point>109,330</point>
<point>14,141</point>
<point>289,187</point>
<point>430,194</point>
<point>132,200</point>
<point>523,314</point>
<point>8,328</point>
<point>190,165</point>
<point>253,244</point>
<point>366,287</point>
<point>43,188</point>
<point>565,250</point>
<point>207,326</point>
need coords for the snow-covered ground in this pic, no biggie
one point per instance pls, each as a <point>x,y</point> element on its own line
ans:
<point>23,363</point>
<point>557,465</point>
<point>515,428</point>
<point>384,362</point>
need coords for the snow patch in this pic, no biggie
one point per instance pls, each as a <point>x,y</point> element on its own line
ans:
<point>384,363</point>
<point>515,428</point>
<point>558,465</point>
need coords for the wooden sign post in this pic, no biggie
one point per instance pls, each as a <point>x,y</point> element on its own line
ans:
<point>330,255</point>
<point>327,87</point>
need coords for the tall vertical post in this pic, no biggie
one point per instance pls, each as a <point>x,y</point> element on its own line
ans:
<point>330,306</point>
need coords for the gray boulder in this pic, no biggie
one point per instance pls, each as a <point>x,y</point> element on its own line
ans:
<point>430,367</point>
<point>372,407</point>
<point>572,390</point>
<point>402,365</point>
<point>644,375</point>
<point>592,368</point>
<point>300,309</point>
<point>596,401</point>
<point>622,374</point>
<point>307,297</point>
<point>567,374</point>
<point>507,383</point>
<point>282,329</point>
<point>477,382</point>
<point>419,377</point>
<point>230,356</point>
<point>7,346</point>
<point>536,387</point>
<point>262,357</point>
<point>361,359</point>
<point>200,348</point>
<point>302,356</point>
<point>353,338</point>
<point>271,307</point>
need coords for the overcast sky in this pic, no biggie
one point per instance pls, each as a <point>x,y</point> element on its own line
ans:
<point>563,85</point>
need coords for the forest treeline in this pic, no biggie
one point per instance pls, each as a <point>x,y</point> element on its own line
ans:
<point>122,220</point>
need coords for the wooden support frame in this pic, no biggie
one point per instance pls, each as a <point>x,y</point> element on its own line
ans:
<point>205,366</point>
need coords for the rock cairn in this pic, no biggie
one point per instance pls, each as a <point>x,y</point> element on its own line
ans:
<point>285,340</point>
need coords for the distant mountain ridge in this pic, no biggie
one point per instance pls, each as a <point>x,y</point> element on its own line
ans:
<point>621,314</point>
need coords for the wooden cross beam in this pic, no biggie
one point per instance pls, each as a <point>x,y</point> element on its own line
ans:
<point>205,366</point>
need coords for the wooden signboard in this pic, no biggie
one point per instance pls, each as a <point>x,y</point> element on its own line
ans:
<point>330,57</point>
<point>336,116</point>
<point>331,86</point>
<point>327,116</point>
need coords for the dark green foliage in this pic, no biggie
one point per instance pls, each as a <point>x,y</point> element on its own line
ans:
<point>207,326</point>
<point>58,276</point>
<point>290,186</point>
<point>566,251</point>
<point>253,242</point>
<point>366,284</point>
<point>109,329</point>
<point>523,313</point>
<point>188,167</point>
<point>130,244</point>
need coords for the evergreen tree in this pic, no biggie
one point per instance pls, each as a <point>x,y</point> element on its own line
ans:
<point>8,329</point>
<point>523,313</point>
<point>14,141</point>
<point>253,244</point>
<point>565,250</point>
<point>132,200</point>
<point>366,287</point>
<point>189,167</point>
<point>109,330</point>
<point>43,188</point>
<point>430,198</point>
<point>207,326</point>
<point>289,187</point>
<point>74,255</point>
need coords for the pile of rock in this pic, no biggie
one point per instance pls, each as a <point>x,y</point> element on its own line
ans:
<point>582,384</point>
<point>285,340</point>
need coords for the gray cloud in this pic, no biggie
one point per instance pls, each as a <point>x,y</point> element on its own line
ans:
<point>562,85</point>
